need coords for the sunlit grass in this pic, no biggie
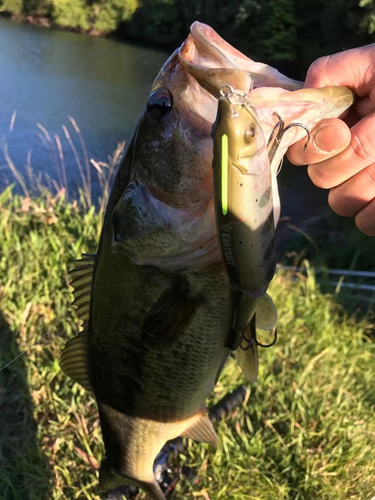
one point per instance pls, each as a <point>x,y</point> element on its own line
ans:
<point>306,431</point>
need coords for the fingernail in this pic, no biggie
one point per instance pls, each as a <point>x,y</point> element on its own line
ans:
<point>326,139</point>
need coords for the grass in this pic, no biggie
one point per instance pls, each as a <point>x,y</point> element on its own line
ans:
<point>306,432</point>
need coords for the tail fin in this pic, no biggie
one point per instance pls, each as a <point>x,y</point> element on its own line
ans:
<point>154,490</point>
<point>109,480</point>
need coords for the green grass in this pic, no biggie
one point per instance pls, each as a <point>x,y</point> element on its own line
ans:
<point>306,432</point>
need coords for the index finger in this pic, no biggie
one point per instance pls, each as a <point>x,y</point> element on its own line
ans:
<point>352,68</point>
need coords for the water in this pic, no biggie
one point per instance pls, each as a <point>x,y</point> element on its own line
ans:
<point>47,75</point>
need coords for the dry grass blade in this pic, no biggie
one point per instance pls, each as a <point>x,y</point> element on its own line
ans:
<point>62,165</point>
<point>86,158</point>
<point>12,121</point>
<point>19,178</point>
<point>86,187</point>
<point>41,181</point>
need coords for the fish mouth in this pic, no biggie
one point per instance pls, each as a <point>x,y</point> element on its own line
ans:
<point>213,62</point>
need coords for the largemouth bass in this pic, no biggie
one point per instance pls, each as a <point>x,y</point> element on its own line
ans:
<point>155,300</point>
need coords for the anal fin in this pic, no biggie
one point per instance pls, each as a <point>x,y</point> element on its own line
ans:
<point>202,430</point>
<point>74,360</point>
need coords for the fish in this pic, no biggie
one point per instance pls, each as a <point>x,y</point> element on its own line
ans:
<point>155,301</point>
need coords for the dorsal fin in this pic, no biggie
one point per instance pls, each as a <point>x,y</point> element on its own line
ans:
<point>81,282</point>
<point>74,360</point>
<point>202,430</point>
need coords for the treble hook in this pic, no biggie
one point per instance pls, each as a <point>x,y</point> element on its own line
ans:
<point>247,343</point>
<point>277,134</point>
<point>270,344</point>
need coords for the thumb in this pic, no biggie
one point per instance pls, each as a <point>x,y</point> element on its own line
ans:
<point>328,138</point>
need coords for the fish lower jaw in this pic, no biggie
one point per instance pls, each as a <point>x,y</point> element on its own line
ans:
<point>204,255</point>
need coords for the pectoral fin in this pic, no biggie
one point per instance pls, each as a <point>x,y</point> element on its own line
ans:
<point>74,360</point>
<point>170,316</point>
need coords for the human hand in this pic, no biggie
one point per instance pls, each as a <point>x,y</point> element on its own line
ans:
<point>341,153</point>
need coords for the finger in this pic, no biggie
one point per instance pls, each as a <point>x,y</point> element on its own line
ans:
<point>358,155</point>
<point>351,68</point>
<point>364,106</point>
<point>353,195</point>
<point>365,219</point>
<point>328,138</point>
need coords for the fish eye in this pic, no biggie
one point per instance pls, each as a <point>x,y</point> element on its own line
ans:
<point>250,133</point>
<point>159,104</point>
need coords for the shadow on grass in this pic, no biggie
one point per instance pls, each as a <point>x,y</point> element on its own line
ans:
<point>24,469</point>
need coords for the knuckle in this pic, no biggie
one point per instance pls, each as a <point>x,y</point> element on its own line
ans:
<point>370,171</point>
<point>365,219</point>
<point>340,204</point>
<point>295,155</point>
<point>362,147</point>
<point>363,225</point>
<point>316,70</point>
<point>318,177</point>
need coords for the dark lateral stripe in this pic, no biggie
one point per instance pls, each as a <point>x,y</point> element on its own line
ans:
<point>271,271</point>
<point>268,225</point>
<point>270,249</point>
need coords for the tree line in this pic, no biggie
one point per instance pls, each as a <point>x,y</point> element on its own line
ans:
<point>287,33</point>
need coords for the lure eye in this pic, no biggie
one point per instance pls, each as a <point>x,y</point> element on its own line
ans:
<point>250,133</point>
<point>159,104</point>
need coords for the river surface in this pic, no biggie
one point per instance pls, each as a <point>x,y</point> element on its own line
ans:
<point>48,75</point>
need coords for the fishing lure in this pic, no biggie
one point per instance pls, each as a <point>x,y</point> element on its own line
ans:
<point>243,205</point>
<point>244,208</point>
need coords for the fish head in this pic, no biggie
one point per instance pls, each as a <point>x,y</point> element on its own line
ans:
<point>173,138</point>
<point>161,207</point>
<point>161,210</point>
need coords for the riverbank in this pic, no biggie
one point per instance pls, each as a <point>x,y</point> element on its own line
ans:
<point>46,22</point>
<point>288,35</point>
